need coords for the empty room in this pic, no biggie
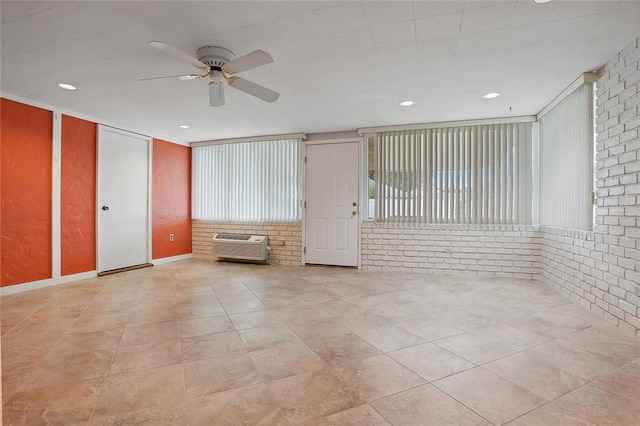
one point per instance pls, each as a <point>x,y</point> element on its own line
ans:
<point>320,212</point>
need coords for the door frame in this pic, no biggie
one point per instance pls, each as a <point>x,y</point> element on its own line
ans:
<point>149,141</point>
<point>358,140</point>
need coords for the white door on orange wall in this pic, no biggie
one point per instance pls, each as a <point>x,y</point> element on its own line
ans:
<point>123,199</point>
<point>332,204</point>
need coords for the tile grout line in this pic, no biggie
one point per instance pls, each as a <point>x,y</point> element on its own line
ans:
<point>38,362</point>
<point>108,370</point>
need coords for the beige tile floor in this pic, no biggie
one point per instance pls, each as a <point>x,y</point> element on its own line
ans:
<point>212,343</point>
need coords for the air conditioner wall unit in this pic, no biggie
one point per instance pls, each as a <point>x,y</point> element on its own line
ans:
<point>241,247</point>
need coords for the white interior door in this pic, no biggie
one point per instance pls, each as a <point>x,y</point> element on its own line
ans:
<point>123,199</point>
<point>331,216</point>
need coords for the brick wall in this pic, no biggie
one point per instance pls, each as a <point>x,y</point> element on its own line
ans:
<point>601,269</point>
<point>284,239</point>
<point>570,263</point>
<point>486,250</point>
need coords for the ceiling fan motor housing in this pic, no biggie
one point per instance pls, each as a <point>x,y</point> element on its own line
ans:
<point>214,56</point>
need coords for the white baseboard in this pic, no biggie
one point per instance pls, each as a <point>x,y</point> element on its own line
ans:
<point>33,285</point>
<point>170,259</point>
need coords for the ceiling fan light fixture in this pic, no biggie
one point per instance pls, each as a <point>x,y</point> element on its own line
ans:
<point>407,103</point>
<point>67,86</point>
<point>183,126</point>
<point>216,75</point>
<point>492,95</point>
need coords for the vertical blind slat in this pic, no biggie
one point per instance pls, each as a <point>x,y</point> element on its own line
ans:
<point>517,166</point>
<point>427,200</point>
<point>467,176</point>
<point>509,176</point>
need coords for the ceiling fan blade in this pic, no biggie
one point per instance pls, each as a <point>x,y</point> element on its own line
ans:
<point>249,61</point>
<point>216,93</point>
<point>160,45</point>
<point>253,89</point>
<point>176,77</point>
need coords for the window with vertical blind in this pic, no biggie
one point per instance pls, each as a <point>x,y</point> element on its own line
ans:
<point>566,161</point>
<point>472,174</point>
<point>246,181</point>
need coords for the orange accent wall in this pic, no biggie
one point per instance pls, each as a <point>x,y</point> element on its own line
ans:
<point>26,134</point>
<point>78,196</point>
<point>171,199</point>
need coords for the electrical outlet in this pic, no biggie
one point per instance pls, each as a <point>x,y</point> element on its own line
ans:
<point>170,237</point>
<point>638,290</point>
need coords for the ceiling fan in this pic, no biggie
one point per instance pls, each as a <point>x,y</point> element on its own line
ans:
<point>221,64</point>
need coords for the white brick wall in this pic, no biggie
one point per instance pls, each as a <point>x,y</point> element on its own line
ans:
<point>284,239</point>
<point>486,250</point>
<point>601,269</point>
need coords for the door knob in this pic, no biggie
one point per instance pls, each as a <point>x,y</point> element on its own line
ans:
<point>105,208</point>
<point>354,212</point>
<point>355,204</point>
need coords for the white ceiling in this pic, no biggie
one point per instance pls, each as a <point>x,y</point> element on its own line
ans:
<point>338,65</point>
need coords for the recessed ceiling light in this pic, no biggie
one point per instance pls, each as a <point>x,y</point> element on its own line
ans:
<point>407,103</point>
<point>492,95</point>
<point>67,86</point>
<point>541,1</point>
<point>183,126</point>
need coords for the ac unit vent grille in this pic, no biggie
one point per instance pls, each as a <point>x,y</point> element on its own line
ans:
<point>239,246</point>
<point>233,237</point>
